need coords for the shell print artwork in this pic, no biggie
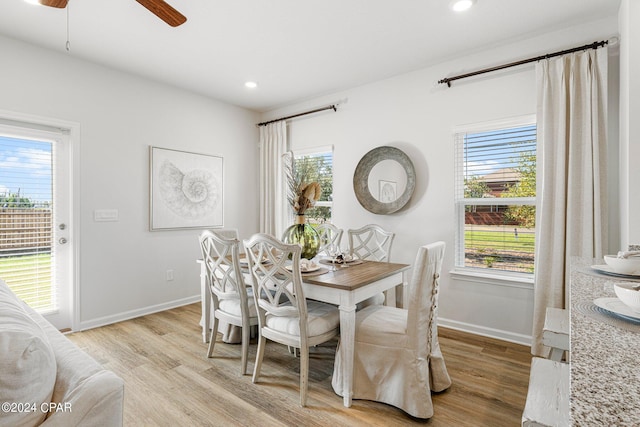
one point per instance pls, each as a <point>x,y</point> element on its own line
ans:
<point>191,195</point>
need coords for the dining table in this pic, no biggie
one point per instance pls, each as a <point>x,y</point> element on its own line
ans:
<point>604,349</point>
<point>344,285</point>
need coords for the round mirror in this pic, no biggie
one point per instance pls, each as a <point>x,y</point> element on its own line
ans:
<point>384,180</point>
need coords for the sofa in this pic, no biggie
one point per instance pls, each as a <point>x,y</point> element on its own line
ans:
<point>47,380</point>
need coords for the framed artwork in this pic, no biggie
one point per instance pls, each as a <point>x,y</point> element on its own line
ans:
<point>387,191</point>
<point>186,190</point>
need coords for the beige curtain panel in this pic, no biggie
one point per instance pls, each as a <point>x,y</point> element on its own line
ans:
<point>273,197</point>
<point>572,140</point>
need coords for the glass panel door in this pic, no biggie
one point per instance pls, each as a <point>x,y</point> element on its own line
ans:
<point>34,257</point>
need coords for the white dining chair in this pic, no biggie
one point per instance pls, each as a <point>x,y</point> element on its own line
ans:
<point>284,315</point>
<point>330,239</point>
<point>229,298</point>
<point>397,355</point>
<point>231,334</point>
<point>371,242</point>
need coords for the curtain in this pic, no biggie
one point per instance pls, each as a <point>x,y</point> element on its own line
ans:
<point>571,188</point>
<point>273,196</point>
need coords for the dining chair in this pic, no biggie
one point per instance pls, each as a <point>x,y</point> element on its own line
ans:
<point>330,238</point>
<point>371,242</point>
<point>231,334</point>
<point>229,298</point>
<point>284,315</point>
<point>397,355</point>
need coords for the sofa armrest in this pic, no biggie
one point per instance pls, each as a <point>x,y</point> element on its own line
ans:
<point>86,393</point>
<point>96,401</point>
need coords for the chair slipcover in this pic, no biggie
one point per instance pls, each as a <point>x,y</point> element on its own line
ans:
<point>284,315</point>
<point>230,300</point>
<point>397,355</point>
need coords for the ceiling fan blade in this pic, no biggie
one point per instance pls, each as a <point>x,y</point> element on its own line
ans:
<point>164,11</point>
<point>60,4</point>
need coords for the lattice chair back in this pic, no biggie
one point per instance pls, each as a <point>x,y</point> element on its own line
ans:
<point>221,255</point>
<point>330,239</point>
<point>371,242</point>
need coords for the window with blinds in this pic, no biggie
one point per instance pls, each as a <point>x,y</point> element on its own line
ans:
<point>26,196</point>
<point>317,165</point>
<point>495,198</point>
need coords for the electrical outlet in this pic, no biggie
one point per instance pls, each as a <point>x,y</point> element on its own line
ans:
<point>169,275</point>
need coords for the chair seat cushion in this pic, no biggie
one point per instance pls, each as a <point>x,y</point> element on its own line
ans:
<point>379,324</point>
<point>232,306</point>
<point>322,318</point>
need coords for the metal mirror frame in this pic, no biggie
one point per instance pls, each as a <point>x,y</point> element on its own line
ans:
<point>361,179</point>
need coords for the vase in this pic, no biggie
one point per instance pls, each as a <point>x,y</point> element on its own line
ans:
<point>304,235</point>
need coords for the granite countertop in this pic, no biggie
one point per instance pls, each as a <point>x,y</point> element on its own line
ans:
<point>605,354</point>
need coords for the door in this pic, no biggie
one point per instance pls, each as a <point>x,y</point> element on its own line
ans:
<point>35,224</point>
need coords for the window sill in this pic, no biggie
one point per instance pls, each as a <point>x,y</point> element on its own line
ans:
<point>512,280</point>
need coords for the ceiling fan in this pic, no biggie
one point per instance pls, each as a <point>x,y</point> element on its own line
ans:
<point>159,8</point>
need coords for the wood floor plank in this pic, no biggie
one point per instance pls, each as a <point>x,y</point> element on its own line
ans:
<point>169,380</point>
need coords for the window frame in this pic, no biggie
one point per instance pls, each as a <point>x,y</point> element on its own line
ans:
<point>311,151</point>
<point>486,275</point>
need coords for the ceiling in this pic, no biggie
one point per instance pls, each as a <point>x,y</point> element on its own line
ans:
<point>294,49</point>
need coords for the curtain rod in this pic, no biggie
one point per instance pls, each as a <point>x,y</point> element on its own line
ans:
<point>333,107</point>
<point>593,45</point>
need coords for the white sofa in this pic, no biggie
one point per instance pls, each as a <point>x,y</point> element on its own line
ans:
<point>47,380</point>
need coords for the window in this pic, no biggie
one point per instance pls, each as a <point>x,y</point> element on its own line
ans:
<point>495,196</point>
<point>317,165</point>
<point>26,195</point>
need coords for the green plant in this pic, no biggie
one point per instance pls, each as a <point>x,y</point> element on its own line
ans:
<point>489,260</point>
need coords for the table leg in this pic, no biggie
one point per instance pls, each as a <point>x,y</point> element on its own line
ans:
<point>347,347</point>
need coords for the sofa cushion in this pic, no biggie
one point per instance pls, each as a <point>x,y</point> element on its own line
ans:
<point>27,364</point>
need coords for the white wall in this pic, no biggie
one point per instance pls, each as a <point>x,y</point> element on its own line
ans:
<point>122,265</point>
<point>629,123</point>
<point>416,115</point>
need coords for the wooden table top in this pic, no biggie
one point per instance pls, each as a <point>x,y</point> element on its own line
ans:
<point>356,276</point>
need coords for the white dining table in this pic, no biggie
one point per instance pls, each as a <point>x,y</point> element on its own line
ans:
<point>344,287</point>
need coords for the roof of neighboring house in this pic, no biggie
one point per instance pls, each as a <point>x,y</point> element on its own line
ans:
<point>502,175</point>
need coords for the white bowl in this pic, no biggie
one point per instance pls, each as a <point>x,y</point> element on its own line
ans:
<point>630,265</point>
<point>629,293</point>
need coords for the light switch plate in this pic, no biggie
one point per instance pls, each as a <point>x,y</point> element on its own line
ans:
<point>104,215</point>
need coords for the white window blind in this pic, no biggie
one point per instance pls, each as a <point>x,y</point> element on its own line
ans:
<point>495,198</point>
<point>317,165</point>
<point>26,197</point>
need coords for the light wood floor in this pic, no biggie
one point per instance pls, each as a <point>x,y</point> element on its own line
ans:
<point>170,382</point>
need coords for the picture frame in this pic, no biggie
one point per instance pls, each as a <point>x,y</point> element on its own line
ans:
<point>186,190</point>
<point>387,191</point>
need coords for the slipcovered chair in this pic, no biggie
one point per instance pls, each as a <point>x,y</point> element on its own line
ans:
<point>284,315</point>
<point>371,242</point>
<point>330,237</point>
<point>229,298</point>
<point>397,355</point>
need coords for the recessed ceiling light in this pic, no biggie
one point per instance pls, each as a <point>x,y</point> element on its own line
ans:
<point>462,5</point>
<point>251,85</point>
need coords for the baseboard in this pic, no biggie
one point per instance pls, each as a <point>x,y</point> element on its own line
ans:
<point>119,317</point>
<point>485,331</point>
